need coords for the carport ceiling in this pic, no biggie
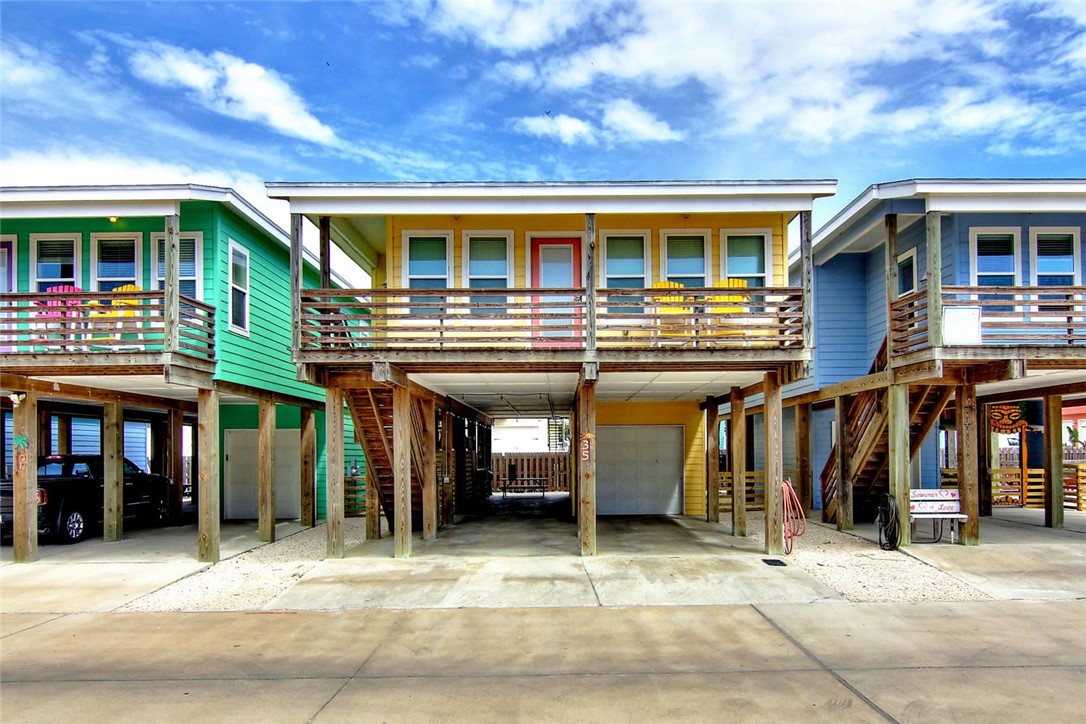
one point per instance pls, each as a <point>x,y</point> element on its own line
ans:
<point>545,394</point>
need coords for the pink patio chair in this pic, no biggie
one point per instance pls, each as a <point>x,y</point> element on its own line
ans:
<point>59,314</point>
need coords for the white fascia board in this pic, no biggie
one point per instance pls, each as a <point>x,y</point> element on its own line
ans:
<point>148,200</point>
<point>382,199</point>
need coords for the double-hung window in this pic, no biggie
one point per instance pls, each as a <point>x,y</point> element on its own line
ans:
<point>625,266</point>
<point>427,262</point>
<point>1054,261</point>
<point>487,265</point>
<point>747,255</point>
<point>55,260</point>
<point>239,288</point>
<point>116,260</point>
<point>188,270</point>
<point>995,263</point>
<point>685,258</point>
<point>906,273</point>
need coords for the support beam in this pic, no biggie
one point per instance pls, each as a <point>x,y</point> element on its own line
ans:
<point>590,281</point>
<point>429,469</point>
<point>175,460</point>
<point>984,460</point>
<point>844,465</point>
<point>112,472</point>
<point>208,481</point>
<point>373,508</point>
<point>934,233</point>
<point>807,278</point>
<point>334,471</point>
<point>171,268</point>
<point>296,281</point>
<point>774,465</point>
<point>97,395</point>
<point>805,489</point>
<point>712,461</point>
<point>325,225</point>
<point>1053,461</point>
<point>25,479</point>
<point>897,424</point>
<point>586,467</point>
<point>737,454</point>
<point>401,470</point>
<point>266,472</point>
<point>64,434</point>
<point>45,430</point>
<point>890,221</point>
<point>308,465</point>
<point>965,413</point>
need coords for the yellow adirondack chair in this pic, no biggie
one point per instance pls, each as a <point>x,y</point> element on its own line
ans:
<point>719,305</point>
<point>120,316</point>
<point>670,310</point>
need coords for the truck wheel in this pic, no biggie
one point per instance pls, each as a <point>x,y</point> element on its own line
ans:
<point>73,526</point>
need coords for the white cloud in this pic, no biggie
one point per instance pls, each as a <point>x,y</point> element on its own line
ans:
<point>567,129</point>
<point>629,122</point>
<point>232,87</point>
<point>504,25</point>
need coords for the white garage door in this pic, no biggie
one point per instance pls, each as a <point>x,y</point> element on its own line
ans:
<point>639,469</point>
<point>242,490</point>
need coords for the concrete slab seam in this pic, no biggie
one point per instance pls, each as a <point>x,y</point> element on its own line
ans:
<point>840,679</point>
<point>56,616</point>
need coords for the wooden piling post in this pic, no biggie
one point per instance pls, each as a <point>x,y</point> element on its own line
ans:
<point>737,454</point>
<point>112,472</point>
<point>266,472</point>
<point>25,479</point>
<point>712,460</point>
<point>210,515</point>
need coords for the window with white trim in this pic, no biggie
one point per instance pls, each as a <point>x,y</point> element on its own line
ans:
<point>426,265</point>
<point>625,266</point>
<point>685,258</point>
<point>188,271</point>
<point>54,261</point>
<point>239,288</point>
<point>747,254</point>
<point>1054,257</point>
<point>115,260</point>
<point>995,257</point>
<point>487,265</point>
<point>906,273</point>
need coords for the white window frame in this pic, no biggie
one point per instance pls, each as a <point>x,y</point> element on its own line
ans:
<point>1014,231</point>
<point>77,267</point>
<point>135,237</point>
<point>767,237</point>
<point>531,236</point>
<point>706,234</point>
<point>908,255</point>
<point>646,238</point>
<point>233,246</point>
<point>1076,242</point>
<point>198,240</point>
<point>405,253</point>
<point>465,268</point>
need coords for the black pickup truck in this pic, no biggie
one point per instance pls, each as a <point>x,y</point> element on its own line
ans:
<point>71,497</point>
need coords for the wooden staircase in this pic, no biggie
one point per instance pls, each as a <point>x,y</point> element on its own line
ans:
<point>869,442</point>
<point>371,410</point>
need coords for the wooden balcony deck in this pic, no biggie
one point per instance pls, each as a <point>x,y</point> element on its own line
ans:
<point>103,333</point>
<point>1045,322</point>
<point>710,326</point>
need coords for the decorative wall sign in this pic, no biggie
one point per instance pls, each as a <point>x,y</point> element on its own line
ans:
<point>1007,419</point>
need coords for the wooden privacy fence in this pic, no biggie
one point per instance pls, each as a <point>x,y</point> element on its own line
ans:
<point>553,466</point>
<point>1007,486</point>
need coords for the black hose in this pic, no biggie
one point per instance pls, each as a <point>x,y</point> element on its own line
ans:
<point>889,524</point>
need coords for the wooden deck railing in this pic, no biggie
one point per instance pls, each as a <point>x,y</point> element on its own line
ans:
<point>554,466</point>
<point>1007,486</point>
<point>389,319</point>
<point>65,323</point>
<point>1008,316</point>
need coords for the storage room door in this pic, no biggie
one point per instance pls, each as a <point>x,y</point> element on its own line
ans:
<point>639,469</point>
<point>242,468</point>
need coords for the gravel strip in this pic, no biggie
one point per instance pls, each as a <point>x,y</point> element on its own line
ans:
<point>864,573</point>
<point>855,568</point>
<point>250,580</point>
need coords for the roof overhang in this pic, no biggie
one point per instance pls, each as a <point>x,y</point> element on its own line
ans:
<point>851,228</point>
<point>347,199</point>
<point>29,202</point>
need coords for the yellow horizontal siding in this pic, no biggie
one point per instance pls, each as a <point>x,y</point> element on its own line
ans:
<point>573,225</point>
<point>687,414</point>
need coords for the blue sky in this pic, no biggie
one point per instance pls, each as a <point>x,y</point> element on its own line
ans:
<point>239,93</point>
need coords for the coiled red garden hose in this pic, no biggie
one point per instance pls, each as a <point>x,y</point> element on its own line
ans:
<point>795,520</point>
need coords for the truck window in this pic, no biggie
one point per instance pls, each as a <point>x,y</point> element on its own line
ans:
<point>54,468</point>
<point>81,470</point>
